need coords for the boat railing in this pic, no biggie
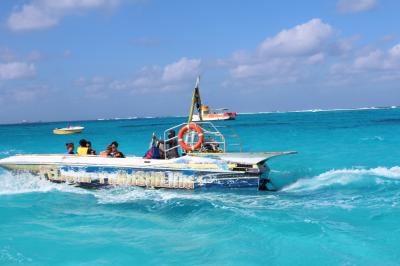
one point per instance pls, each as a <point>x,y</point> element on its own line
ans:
<point>214,140</point>
<point>234,142</point>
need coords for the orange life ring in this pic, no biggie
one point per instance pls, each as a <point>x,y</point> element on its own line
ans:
<point>183,130</point>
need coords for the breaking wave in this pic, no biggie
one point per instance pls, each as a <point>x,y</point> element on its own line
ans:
<point>20,183</point>
<point>9,152</point>
<point>352,178</point>
<point>244,201</point>
<point>230,199</point>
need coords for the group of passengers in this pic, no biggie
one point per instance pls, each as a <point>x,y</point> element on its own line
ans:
<point>160,149</point>
<point>85,148</point>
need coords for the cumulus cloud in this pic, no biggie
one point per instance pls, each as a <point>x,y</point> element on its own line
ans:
<point>22,94</point>
<point>372,60</point>
<point>381,60</point>
<point>41,14</point>
<point>16,70</point>
<point>371,65</point>
<point>6,54</point>
<point>285,57</point>
<point>310,53</point>
<point>304,39</point>
<point>355,6</point>
<point>148,79</point>
<point>182,69</point>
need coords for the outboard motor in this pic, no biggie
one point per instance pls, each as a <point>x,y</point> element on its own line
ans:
<point>264,183</point>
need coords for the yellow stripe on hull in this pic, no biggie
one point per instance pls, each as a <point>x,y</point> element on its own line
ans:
<point>66,132</point>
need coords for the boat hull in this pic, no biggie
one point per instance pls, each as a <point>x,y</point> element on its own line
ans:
<point>149,178</point>
<point>188,172</point>
<point>214,117</point>
<point>67,131</point>
<point>219,170</point>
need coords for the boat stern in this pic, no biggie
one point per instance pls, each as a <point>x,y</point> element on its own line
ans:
<point>252,167</point>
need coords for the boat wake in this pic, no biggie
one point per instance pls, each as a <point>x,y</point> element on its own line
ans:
<point>21,183</point>
<point>243,201</point>
<point>6,153</point>
<point>346,178</point>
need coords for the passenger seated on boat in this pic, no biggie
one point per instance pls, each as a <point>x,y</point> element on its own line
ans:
<point>82,149</point>
<point>153,152</point>
<point>107,152</point>
<point>170,145</point>
<point>90,150</point>
<point>70,148</point>
<point>115,153</point>
<point>209,145</point>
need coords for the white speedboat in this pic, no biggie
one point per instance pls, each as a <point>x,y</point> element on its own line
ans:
<point>68,130</point>
<point>205,166</point>
<point>204,162</point>
<point>187,172</point>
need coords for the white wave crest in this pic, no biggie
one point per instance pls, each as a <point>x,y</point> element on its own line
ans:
<point>20,183</point>
<point>344,177</point>
<point>9,152</point>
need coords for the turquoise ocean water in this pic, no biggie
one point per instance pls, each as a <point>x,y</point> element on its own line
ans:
<point>338,204</point>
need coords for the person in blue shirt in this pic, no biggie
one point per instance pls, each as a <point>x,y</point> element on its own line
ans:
<point>70,148</point>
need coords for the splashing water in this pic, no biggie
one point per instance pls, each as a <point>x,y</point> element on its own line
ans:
<point>338,203</point>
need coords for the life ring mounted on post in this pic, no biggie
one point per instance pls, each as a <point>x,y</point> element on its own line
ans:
<point>200,134</point>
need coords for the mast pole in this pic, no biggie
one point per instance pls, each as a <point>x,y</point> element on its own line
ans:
<point>196,101</point>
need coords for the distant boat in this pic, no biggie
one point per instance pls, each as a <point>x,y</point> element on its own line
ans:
<point>68,130</point>
<point>214,115</point>
<point>204,113</point>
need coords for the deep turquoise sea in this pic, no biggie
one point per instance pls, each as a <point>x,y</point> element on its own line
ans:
<point>338,201</point>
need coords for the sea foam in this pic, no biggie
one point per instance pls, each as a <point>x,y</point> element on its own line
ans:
<point>345,177</point>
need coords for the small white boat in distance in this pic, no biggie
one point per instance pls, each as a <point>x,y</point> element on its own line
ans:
<point>68,130</point>
<point>214,115</point>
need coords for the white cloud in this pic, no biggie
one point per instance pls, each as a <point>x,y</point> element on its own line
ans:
<point>16,70</point>
<point>395,51</point>
<point>41,14</point>
<point>316,58</point>
<point>31,17</point>
<point>25,93</point>
<point>310,53</point>
<point>273,67</point>
<point>6,54</point>
<point>372,60</point>
<point>379,60</point>
<point>302,39</point>
<point>286,57</point>
<point>182,69</point>
<point>149,79</point>
<point>370,65</point>
<point>354,6</point>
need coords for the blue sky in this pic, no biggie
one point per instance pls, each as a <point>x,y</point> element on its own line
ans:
<point>88,59</point>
